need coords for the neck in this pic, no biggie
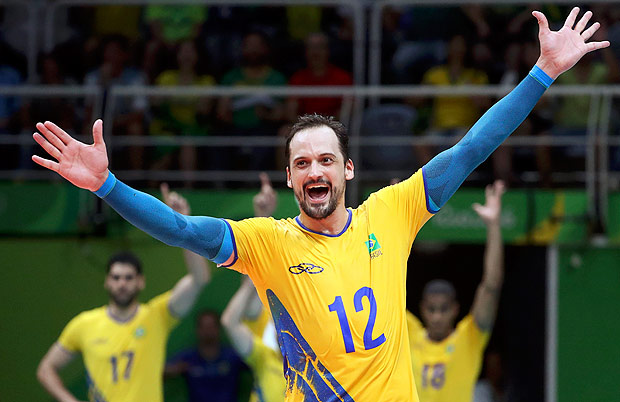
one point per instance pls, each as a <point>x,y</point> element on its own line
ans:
<point>186,70</point>
<point>319,70</point>
<point>256,71</point>
<point>332,225</point>
<point>123,313</point>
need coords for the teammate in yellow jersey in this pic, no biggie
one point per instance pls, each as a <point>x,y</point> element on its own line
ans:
<point>260,351</point>
<point>123,344</point>
<point>334,278</point>
<point>446,359</point>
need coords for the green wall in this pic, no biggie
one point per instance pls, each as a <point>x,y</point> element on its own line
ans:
<point>588,325</point>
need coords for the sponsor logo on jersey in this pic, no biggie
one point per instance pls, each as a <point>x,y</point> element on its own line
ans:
<point>374,248</point>
<point>305,267</point>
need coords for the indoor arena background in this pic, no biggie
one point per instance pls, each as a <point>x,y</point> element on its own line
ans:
<point>558,322</point>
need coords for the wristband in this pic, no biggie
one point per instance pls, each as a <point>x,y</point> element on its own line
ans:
<point>539,75</point>
<point>107,186</point>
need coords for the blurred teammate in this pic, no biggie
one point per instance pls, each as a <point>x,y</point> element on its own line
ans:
<point>123,344</point>
<point>260,351</point>
<point>334,278</point>
<point>446,359</point>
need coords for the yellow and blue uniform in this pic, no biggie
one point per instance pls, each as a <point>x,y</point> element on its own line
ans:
<point>266,365</point>
<point>447,371</point>
<point>124,360</point>
<point>338,301</point>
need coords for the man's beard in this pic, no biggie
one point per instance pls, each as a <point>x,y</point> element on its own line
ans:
<point>123,301</point>
<point>323,210</point>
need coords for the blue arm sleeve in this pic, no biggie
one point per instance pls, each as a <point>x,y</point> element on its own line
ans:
<point>209,237</point>
<point>447,171</point>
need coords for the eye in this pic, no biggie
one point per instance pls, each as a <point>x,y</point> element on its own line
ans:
<point>328,159</point>
<point>301,163</point>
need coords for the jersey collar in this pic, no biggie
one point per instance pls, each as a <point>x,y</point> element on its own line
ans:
<point>325,234</point>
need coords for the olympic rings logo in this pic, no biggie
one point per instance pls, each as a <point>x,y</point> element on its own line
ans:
<point>305,267</point>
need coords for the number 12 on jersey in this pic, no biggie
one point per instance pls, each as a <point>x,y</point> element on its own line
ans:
<point>338,307</point>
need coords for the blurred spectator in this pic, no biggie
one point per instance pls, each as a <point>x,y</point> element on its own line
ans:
<point>181,115</point>
<point>303,20</point>
<point>211,370</point>
<point>36,110</point>
<point>453,115</point>
<point>171,24</point>
<point>256,114</point>
<point>319,72</point>
<point>128,112</point>
<point>168,26</point>
<point>493,387</point>
<point>117,20</point>
<point>426,32</point>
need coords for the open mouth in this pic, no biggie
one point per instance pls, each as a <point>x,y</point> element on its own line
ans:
<point>317,193</point>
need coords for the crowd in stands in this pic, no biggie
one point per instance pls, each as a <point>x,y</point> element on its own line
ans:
<point>165,45</point>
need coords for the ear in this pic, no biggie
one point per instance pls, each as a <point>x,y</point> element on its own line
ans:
<point>455,309</point>
<point>141,282</point>
<point>349,170</point>
<point>289,183</point>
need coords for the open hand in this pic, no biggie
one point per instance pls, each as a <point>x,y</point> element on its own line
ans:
<point>490,211</point>
<point>174,200</point>
<point>266,200</point>
<point>86,166</point>
<point>561,50</point>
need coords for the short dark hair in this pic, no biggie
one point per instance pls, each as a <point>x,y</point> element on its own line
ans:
<point>316,120</point>
<point>125,257</point>
<point>439,287</point>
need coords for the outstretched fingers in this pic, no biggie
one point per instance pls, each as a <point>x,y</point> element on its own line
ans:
<point>591,46</point>
<point>50,136</point>
<point>572,17</point>
<point>46,163</point>
<point>49,148</point>
<point>58,132</point>
<point>587,34</point>
<point>581,25</point>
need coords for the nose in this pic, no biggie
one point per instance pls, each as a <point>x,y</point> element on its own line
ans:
<point>316,171</point>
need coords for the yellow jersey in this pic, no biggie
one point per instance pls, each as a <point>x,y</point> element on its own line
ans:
<point>338,301</point>
<point>124,360</point>
<point>266,365</point>
<point>447,371</point>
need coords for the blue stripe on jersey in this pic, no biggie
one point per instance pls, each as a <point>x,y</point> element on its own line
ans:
<point>325,234</point>
<point>302,369</point>
<point>93,391</point>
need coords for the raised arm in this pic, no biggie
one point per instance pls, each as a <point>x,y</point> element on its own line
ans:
<point>484,308</point>
<point>559,52</point>
<point>86,166</point>
<point>186,291</point>
<point>239,334</point>
<point>47,373</point>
